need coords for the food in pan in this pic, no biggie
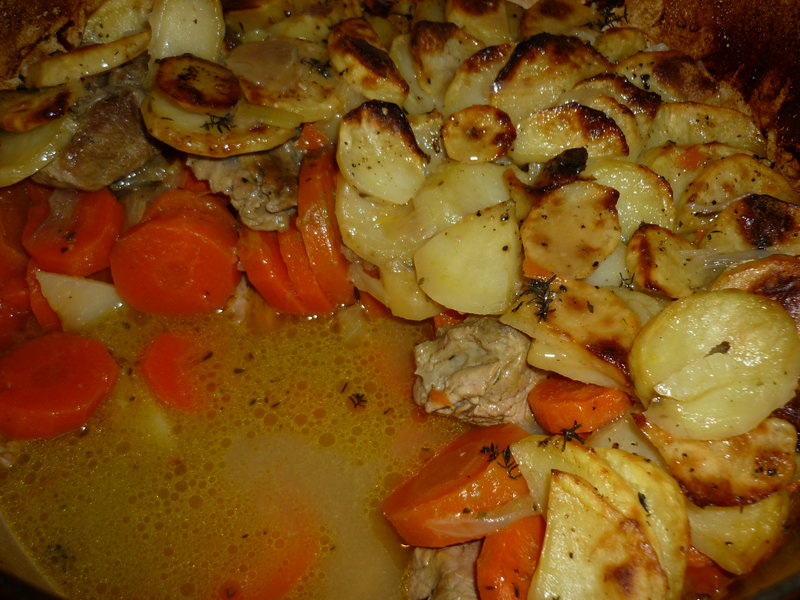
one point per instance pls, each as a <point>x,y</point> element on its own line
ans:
<point>288,286</point>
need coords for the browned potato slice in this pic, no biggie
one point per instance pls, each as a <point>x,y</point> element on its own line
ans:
<point>487,21</point>
<point>663,262</point>
<point>755,221</point>
<point>578,330</point>
<point>289,74</point>
<point>22,110</point>
<point>563,17</point>
<point>198,85</point>
<point>478,133</point>
<point>356,52</point>
<point>643,104</point>
<point>572,228</point>
<point>694,123</point>
<point>550,131</point>
<point>618,43</point>
<point>737,470</point>
<point>671,74</point>
<point>776,277</point>
<point>540,69</point>
<point>378,152</point>
<point>724,180</point>
<point>591,550</point>
<point>472,82</point>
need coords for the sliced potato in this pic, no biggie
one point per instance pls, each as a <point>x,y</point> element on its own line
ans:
<point>472,82</point>
<point>591,550</point>
<point>378,153</point>
<point>737,538</point>
<point>475,266</point>
<point>571,229</point>
<point>404,297</point>
<point>716,364</point>
<point>187,27</point>
<point>76,300</point>
<point>22,110</point>
<point>693,123</point>
<point>540,69</point>
<point>486,21</point>
<point>24,153</point>
<point>479,133</point>
<point>671,74</point>
<point>550,131</point>
<point>418,100</point>
<point>578,330</point>
<point>741,469</point>
<point>624,434</point>
<point>642,103</point>
<point>198,85</point>
<point>618,43</point>
<point>115,19</point>
<point>563,17</point>
<point>247,128</point>
<point>644,196</point>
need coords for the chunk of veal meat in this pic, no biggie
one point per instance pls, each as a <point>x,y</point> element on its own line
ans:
<point>481,369</point>
<point>262,187</point>
<point>444,573</point>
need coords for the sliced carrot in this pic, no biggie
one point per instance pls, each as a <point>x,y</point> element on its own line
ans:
<point>533,270</point>
<point>14,308</point>
<point>14,204</point>
<point>293,252</point>
<point>176,264</point>
<point>508,559</point>
<point>443,503</point>
<point>169,366</point>
<point>558,403</point>
<point>53,384</point>
<point>374,308</point>
<point>692,158</point>
<point>203,204</point>
<point>187,180</point>
<point>447,318</point>
<point>47,318</point>
<point>704,577</point>
<point>260,256</point>
<point>316,220</point>
<point>74,232</point>
<point>311,138</point>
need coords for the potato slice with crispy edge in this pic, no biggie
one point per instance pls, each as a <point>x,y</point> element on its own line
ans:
<point>671,74</point>
<point>578,330</point>
<point>618,43</point>
<point>472,81</point>
<point>642,103</point>
<point>540,69</point>
<point>198,85</point>
<point>23,110</point>
<point>563,17</point>
<point>24,153</point>
<point>479,133</point>
<point>571,229</point>
<point>418,100</point>
<point>378,152</point>
<point>115,19</point>
<point>715,364</point>
<point>741,469</point>
<point>486,21</point>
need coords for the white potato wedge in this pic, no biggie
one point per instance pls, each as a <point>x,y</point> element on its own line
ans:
<point>738,470</point>
<point>486,21</point>
<point>644,196</point>
<point>404,297</point>
<point>571,229</point>
<point>591,550</point>
<point>475,266</point>
<point>671,74</point>
<point>472,82</point>
<point>550,131</point>
<point>76,300</point>
<point>24,153</point>
<point>737,538</point>
<point>247,128</point>
<point>378,152</point>
<point>578,330</point>
<point>56,69</point>
<point>478,133</point>
<point>716,364</point>
<point>624,434</point>
<point>540,69</point>
<point>427,128</point>
<point>187,27</point>
<point>694,123</point>
<point>23,110</point>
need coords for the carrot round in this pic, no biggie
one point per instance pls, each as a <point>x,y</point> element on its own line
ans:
<point>14,202</point>
<point>75,237</point>
<point>311,138</point>
<point>260,256</point>
<point>169,367</point>
<point>176,264</point>
<point>45,315</point>
<point>508,558</point>
<point>443,503</point>
<point>15,308</point>
<point>53,384</point>
<point>559,403</point>
<point>293,252</point>
<point>203,204</point>
<point>316,220</point>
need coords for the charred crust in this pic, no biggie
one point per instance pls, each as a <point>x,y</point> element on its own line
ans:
<point>764,221</point>
<point>429,37</point>
<point>559,49</point>
<point>388,117</point>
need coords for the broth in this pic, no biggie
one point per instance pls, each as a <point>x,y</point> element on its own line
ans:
<point>310,424</point>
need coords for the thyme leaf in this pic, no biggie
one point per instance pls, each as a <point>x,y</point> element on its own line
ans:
<point>571,433</point>
<point>357,400</point>
<point>224,122</point>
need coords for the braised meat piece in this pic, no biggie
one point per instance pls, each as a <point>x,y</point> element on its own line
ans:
<point>444,573</point>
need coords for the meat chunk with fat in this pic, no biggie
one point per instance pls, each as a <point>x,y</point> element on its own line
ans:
<point>444,573</point>
<point>478,372</point>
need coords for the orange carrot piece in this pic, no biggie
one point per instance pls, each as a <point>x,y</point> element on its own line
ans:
<point>15,308</point>
<point>446,318</point>
<point>316,220</point>
<point>704,577</point>
<point>533,270</point>
<point>443,502</point>
<point>293,252</point>
<point>260,256</point>
<point>169,367</point>
<point>75,237</point>
<point>176,264</point>
<point>47,318</point>
<point>311,138</point>
<point>558,403</point>
<point>14,204</point>
<point>508,559</point>
<point>53,384</point>
<point>204,205</point>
